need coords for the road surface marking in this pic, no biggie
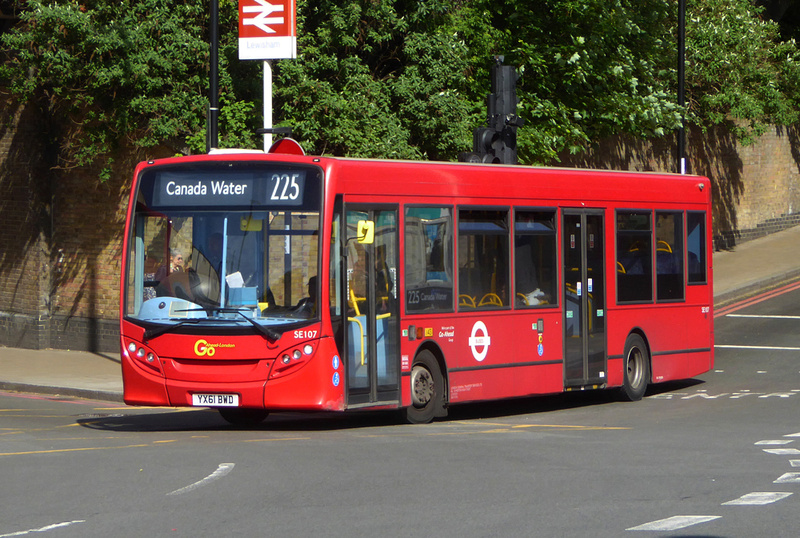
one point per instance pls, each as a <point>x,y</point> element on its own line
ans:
<point>758,498</point>
<point>775,442</point>
<point>763,348</point>
<point>788,478</point>
<point>43,529</point>
<point>57,450</point>
<point>761,316</point>
<point>674,523</point>
<point>782,451</point>
<point>222,470</point>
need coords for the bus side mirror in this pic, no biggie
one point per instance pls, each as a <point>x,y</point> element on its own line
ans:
<point>366,232</point>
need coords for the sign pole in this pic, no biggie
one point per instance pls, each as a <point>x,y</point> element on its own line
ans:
<point>212,131</point>
<point>267,105</point>
<point>681,76</point>
<point>267,31</point>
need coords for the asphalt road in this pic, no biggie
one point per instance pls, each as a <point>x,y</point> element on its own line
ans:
<point>715,456</point>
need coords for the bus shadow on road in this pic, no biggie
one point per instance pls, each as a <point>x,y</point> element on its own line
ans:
<point>187,419</point>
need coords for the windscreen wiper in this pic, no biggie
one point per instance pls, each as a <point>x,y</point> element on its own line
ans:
<point>149,334</point>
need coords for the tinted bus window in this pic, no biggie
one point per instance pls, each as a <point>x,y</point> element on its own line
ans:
<point>429,259</point>
<point>669,256</point>
<point>534,258</point>
<point>483,254</point>
<point>634,257</point>
<point>696,246</point>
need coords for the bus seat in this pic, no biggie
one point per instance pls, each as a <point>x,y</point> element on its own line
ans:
<point>491,299</point>
<point>466,300</point>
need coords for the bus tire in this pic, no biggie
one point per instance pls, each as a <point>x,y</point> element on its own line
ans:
<point>427,390</point>
<point>244,417</point>
<point>636,373</point>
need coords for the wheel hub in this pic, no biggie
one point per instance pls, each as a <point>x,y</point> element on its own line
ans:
<point>422,388</point>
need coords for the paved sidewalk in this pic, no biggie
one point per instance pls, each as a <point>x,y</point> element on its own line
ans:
<point>746,270</point>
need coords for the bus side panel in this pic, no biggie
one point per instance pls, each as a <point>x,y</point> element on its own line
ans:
<point>679,337</point>
<point>494,355</point>
<point>319,385</point>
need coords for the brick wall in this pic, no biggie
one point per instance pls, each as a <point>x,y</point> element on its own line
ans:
<point>60,242</point>
<point>24,229</point>
<point>61,230</point>
<point>756,188</point>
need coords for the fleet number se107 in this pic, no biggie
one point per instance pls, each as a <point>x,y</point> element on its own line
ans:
<point>305,334</point>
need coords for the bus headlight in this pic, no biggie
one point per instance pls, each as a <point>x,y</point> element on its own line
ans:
<point>143,356</point>
<point>292,359</point>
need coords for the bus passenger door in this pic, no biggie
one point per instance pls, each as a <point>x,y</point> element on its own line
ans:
<point>584,298</point>
<point>371,335</point>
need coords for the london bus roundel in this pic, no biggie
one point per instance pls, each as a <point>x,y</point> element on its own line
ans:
<point>479,341</point>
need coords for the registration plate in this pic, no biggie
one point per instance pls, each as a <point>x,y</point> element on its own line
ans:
<point>215,400</point>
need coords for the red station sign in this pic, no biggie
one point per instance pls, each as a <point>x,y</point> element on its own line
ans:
<point>267,30</point>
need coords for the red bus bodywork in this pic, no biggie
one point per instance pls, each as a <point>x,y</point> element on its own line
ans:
<point>481,353</point>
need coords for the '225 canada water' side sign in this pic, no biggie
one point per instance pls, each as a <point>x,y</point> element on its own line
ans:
<point>267,30</point>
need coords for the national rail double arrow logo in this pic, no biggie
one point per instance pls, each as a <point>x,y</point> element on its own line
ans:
<point>263,20</point>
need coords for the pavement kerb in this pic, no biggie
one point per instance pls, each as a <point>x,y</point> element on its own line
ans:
<point>748,290</point>
<point>87,394</point>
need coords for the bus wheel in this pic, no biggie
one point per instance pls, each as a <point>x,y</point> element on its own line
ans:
<point>637,368</point>
<point>427,386</point>
<point>244,417</point>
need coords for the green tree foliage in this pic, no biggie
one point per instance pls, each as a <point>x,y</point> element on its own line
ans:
<point>378,79</point>
<point>738,69</point>
<point>591,68</point>
<point>104,71</point>
<point>397,78</point>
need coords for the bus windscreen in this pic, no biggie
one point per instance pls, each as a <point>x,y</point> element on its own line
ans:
<point>225,245</point>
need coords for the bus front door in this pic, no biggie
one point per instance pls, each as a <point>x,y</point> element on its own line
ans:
<point>584,299</point>
<point>371,338</point>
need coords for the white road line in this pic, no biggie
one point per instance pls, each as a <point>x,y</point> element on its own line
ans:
<point>795,463</point>
<point>673,523</point>
<point>788,478</point>
<point>758,498</point>
<point>222,470</point>
<point>43,529</point>
<point>760,316</point>
<point>792,435</point>
<point>763,348</point>
<point>782,451</point>
<point>775,442</point>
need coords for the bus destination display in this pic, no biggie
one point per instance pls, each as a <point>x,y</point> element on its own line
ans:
<point>212,188</point>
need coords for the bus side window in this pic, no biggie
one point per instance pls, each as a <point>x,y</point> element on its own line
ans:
<point>634,256</point>
<point>696,246</point>
<point>534,258</point>
<point>483,257</point>
<point>429,259</point>
<point>669,256</point>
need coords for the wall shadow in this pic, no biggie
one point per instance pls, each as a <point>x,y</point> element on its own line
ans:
<point>712,153</point>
